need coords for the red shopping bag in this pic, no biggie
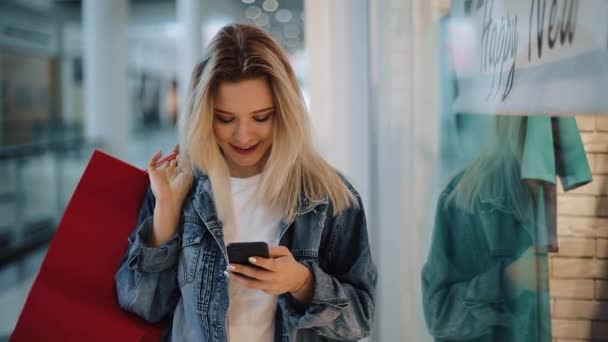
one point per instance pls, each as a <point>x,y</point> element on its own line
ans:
<point>74,296</point>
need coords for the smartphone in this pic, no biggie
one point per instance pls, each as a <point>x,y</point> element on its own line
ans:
<point>240,252</point>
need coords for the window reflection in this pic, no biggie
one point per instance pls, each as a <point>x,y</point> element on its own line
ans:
<point>486,277</point>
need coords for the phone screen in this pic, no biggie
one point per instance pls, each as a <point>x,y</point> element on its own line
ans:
<point>240,252</point>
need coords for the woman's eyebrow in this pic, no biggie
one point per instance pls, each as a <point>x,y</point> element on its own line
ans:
<point>221,111</point>
<point>263,110</point>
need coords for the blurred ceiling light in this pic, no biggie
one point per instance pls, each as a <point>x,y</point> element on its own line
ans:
<point>262,20</point>
<point>291,31</point>
<point>291,43</point>
<point>283,15</point>
<point>253,12</point>
<point>248,1</point>
<point>270,5</point>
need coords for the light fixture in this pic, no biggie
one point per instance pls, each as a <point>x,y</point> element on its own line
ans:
<point>253,12</point>
<point>291,31</point>
<point>283,15</point>
<point>270,5</point>
<point>262,20</point>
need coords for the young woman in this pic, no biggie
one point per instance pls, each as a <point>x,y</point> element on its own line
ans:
<point>247,171</point>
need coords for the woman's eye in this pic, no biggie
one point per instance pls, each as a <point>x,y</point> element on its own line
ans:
<point>223,119</point>
<point>262,118</point>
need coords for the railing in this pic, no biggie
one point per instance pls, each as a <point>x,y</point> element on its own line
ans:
<point>23,236</point>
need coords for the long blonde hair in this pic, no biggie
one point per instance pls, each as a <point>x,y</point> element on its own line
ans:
<point>496,174</point>
<point>293,168</point>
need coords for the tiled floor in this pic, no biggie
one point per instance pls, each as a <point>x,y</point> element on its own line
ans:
<point>42,201</point>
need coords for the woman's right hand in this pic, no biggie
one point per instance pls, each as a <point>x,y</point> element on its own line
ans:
<point>529,272</point>
<point>170,183</point>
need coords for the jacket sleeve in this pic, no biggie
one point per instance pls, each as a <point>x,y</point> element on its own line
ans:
<point>146,281</point>
<point>342,305</point>
<point>458,302</point>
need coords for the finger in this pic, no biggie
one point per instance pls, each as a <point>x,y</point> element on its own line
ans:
<point>186,171</point>
<point>248,282</point>
<point>173,163</point>
<point>173,171</point>
<point>250,271</point>
<point>278,251</point>
<point>264,263</point>
<point>184,175</point>
<point>154,160</point>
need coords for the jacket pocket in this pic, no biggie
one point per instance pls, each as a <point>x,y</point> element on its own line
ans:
<point>190,252</point>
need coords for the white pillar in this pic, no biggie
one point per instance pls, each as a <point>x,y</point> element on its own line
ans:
<point>338,48</point>
<point>405,152</point>
<point>68,103</point>
<point>108,117</point>
<point>190,44</point>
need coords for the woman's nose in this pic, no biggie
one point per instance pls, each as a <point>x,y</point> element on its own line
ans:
<point>243,133</point>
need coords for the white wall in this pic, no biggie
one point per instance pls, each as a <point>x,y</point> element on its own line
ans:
<point>373,73</point>
<point>338,78</point>
<point>404,167</point>
<point>107,109</point>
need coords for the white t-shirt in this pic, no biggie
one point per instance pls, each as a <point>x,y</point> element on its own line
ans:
<point>251,312</point>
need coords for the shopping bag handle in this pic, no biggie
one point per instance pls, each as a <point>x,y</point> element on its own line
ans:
<point>165,160</point>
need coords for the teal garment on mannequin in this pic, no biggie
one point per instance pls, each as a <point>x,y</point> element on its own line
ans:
<point>539,161</point>
<point>553,147</point>
<point>467,296</point>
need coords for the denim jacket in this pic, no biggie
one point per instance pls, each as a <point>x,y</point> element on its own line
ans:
<point>183,280</point>
<point>466,296</point>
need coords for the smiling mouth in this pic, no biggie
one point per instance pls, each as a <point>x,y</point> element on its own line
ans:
<point>245,150</point>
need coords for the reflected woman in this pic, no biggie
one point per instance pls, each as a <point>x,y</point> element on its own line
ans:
<point>486,276</point>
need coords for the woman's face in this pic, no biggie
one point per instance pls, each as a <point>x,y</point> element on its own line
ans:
<point>243,121</point>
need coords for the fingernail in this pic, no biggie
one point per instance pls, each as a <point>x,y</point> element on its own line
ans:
<point>232,268</point>
<point>253,260</point>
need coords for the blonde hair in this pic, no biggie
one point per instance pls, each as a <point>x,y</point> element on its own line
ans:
<point>496,174</point>
<point>293,168</point>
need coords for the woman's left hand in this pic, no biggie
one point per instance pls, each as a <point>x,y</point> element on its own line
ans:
<point>279,274</point>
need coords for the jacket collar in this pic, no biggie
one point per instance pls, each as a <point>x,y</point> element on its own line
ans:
<point>205,206</point>
<point>204,192</point>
